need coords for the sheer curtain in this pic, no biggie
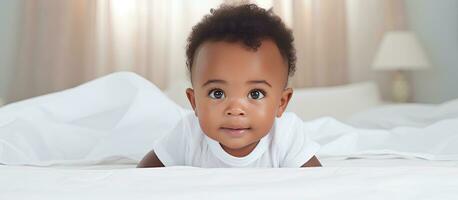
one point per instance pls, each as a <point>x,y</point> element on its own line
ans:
<point>65,43</point>
<point>320,31</point>
<point>53,46</point>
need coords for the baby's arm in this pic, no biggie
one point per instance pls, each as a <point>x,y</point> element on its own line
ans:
<point>313,162</point>
<point>150,160</point>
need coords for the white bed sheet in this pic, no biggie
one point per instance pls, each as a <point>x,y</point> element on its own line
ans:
<point>369,178</point>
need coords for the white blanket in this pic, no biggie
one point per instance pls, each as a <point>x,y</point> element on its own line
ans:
<point>119,116</point>
<point>116,116</point>
<point>437,141</point>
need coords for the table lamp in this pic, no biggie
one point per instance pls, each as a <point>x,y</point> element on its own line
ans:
<point>400,51</point>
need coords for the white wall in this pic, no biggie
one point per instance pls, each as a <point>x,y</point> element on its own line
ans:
<point>436,24</point>
<point>8,40</point>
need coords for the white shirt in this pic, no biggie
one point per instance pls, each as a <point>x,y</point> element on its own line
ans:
<point>286,145</point>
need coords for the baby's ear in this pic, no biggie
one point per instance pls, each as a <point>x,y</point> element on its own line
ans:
<point>191,98</point>
<point>285,97</point>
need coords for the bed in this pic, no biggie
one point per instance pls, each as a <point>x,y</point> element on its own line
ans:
<point>368,179</point>
<point>84,143</point>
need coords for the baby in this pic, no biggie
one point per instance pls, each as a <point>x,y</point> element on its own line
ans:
<point>239,59</point>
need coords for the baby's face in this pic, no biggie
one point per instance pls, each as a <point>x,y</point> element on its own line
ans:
<point>238,92</point>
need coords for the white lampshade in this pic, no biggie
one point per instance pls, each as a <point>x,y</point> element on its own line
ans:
<point>400,50</point>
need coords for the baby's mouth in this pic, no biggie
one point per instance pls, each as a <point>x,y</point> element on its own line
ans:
<point>235,131</point>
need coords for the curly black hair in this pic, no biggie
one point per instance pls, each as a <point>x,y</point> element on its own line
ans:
<point>247,23</point>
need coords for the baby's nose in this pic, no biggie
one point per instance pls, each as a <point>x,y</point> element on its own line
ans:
<point>235,112</point>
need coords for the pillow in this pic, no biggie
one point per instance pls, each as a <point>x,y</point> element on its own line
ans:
<point>338,101</point>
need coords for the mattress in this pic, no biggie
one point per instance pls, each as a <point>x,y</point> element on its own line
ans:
<point>361,178</point>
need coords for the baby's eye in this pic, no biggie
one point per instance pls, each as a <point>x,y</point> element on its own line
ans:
<point>256,94</point>
<point>216,94</point>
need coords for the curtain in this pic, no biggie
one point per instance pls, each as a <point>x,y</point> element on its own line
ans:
<point>65,43</point>
<point>320,31</point>
<point>54,48</point>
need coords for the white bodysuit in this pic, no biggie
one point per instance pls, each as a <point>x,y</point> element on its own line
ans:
<point>286,145</point>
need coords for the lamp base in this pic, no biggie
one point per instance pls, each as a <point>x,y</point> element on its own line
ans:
<point>401,90</point>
